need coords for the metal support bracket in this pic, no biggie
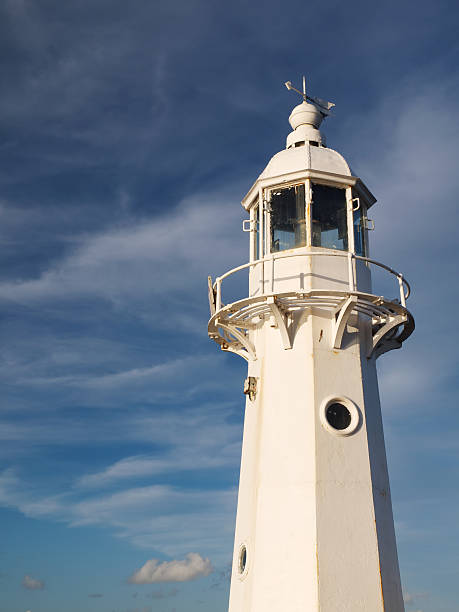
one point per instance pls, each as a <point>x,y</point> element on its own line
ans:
<point>280,319</point>
<point>386,346</point>
<point>381,334</point>
<point>344,311</point>
<point>240,352</point>
<point>241,338</point>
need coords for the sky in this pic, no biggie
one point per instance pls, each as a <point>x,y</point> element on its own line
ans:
<point>129,133</point>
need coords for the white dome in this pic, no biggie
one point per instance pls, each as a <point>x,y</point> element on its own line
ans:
<point>307,157</point>
<point>305,114</point>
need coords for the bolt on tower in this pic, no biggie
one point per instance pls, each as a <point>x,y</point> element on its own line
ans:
<point>314,526</point>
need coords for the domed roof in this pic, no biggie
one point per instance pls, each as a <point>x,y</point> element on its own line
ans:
<point>307,157</point>
<point>315,162</point>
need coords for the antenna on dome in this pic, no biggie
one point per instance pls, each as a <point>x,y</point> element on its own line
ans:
<point>322,106</point>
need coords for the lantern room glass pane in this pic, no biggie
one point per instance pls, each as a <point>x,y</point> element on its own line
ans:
<point>288,223</point>
<point>359,231</point>
<point>329,217</point>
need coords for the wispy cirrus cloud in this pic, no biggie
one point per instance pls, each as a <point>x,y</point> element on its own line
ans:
<point>180,440</point>
<point>150,375</point>
<point>181,458</point>
<point>165,518</point>
<point>172,253</point>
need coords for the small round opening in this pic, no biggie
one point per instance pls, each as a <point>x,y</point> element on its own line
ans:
<point>338,416</point>
<point>242,559</point>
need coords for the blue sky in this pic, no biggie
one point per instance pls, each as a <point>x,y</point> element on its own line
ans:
<point>128,135</point>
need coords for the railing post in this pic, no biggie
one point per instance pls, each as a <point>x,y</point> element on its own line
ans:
<point>262,276</point>
<point>350,271</point>
<point>219,294</point>
<point>402,290</point>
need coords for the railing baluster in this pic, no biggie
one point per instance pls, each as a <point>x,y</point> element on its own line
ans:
<point>219,294</point>
<point>262,276</point>
<point>402,290</point>
<point>350,271</point>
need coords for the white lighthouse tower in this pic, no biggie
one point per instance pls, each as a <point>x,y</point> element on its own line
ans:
<point>314,527</point>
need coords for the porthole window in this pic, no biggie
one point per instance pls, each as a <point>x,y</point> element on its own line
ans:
<point>340,416</point>
<point>242,559</point>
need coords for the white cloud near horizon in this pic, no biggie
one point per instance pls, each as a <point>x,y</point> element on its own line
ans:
<point>33,584</point>
<point>190,568</point>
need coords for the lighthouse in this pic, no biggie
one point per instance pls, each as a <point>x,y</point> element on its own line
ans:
<point>314,527</point>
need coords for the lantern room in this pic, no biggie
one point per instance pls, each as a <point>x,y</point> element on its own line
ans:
<point>307,196</point>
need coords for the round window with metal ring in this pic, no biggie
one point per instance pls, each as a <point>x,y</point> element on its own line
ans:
<point>340,416</point>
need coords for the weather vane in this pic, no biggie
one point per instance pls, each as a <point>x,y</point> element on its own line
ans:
<point>322,105</point>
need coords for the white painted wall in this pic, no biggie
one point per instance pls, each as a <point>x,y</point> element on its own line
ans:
<point>314,507</point>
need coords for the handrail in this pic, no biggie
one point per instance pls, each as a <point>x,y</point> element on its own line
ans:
<point>404,294</point>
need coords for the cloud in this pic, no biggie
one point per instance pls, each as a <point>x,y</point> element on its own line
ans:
<point>160,517</point>
<point>150,268</point>
<point>171,253</point>
<point>412,166</point>
<point>161,372</point>
<point>33,584</point>
<point>190,568</point>
<point>197,442</point>
<point>182,459</point>
<point>185,437</point>
<point>411,598</point>
<point>411,376</point>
